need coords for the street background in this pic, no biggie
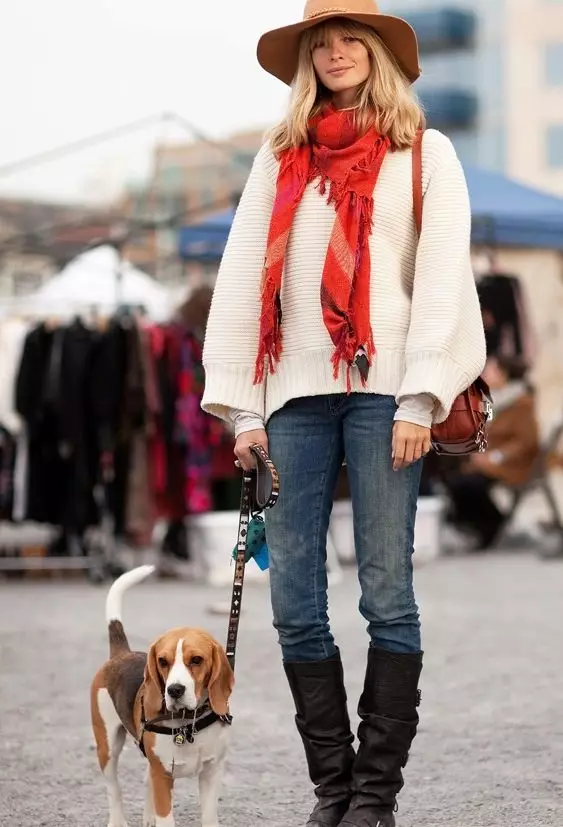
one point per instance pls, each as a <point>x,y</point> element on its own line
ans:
<point>490,747</point>
<point>128,132</point>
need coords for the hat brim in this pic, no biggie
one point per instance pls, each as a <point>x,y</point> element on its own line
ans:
<point>278,50</point>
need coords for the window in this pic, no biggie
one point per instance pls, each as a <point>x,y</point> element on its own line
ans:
<point>442,29</point>
<point>449,108</point>
<point>554,64</point>
<point>554,148</point>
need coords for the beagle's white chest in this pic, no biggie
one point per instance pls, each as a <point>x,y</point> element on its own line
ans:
<point>187,760</point>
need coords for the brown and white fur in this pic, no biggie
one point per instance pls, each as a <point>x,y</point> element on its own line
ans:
<point>184,657</point>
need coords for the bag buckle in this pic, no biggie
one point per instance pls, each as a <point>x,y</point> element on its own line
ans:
<point>481,439</point>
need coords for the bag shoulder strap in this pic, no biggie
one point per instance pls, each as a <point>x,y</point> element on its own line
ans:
<point>417,180</point>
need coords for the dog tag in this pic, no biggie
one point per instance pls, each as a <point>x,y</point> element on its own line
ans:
<point>180,738</point>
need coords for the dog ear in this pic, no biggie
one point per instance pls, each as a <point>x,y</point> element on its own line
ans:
<point>154,685</point>
<point>221,681</point>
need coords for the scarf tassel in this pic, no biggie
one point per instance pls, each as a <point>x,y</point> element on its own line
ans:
<point>270,345</point>
<point>345,352</point>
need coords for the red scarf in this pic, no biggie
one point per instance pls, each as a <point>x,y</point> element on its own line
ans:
<point>350,166</point>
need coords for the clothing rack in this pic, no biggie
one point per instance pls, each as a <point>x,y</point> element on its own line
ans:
<point>95,546</point>
<point>97,566</point>
<point>93,550</point>
<point>95,553</point>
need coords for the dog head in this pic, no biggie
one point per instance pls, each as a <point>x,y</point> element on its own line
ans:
<point>182,666</point>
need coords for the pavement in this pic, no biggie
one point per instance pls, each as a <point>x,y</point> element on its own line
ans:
<point>490,747</point>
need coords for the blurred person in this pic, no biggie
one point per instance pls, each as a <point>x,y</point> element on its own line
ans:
<point>194,311</point>
<point>513,446</point>
<point>381,331</point>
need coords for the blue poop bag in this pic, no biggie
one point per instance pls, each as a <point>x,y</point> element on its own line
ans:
<point>256,546</point>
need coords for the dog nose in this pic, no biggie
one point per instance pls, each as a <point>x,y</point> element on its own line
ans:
<point>176,690</point>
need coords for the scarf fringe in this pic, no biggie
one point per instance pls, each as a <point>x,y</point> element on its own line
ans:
<point>345,353</point>
<point>270,339</point>
<point>269,353</point>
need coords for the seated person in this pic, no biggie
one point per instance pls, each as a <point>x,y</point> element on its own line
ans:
<point>513,445</point>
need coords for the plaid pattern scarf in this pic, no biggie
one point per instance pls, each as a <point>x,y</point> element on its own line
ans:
<point>347,166</point>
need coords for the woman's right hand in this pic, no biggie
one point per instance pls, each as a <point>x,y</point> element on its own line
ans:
<point>243,443</point>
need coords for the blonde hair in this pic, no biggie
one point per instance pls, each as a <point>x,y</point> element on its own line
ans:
<point>386,100</point>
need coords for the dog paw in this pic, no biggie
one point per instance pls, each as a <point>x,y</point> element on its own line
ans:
<point>149,821</point>
<point>117,822</point>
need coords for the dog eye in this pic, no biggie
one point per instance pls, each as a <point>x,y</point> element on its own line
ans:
<point>196,660</point>
<point>163,663</point>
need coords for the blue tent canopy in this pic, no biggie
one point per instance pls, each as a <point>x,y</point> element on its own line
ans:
<point>507,213</point>
<point>206,241</point>
<point>503,211</point>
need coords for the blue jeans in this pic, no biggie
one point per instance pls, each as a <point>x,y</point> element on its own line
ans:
<point>308,440</point>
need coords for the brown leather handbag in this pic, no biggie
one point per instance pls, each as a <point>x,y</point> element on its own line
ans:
<point>465,429</point>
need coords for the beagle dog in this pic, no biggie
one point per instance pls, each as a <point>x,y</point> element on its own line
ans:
<point>173,701</point>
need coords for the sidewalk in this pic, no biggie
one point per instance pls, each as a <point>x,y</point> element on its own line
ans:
<point>490,749</point>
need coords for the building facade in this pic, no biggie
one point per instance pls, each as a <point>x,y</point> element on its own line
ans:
<point>493,81</point>
<point>37,239</point>
<point>189,182</point>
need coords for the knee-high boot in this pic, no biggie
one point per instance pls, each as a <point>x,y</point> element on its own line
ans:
<point>389,718</point>
<point>324,726</point>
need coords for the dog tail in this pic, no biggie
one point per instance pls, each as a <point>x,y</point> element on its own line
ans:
<point>118,643</point>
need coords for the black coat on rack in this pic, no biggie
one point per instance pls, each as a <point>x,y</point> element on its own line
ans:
<point>51,397</point>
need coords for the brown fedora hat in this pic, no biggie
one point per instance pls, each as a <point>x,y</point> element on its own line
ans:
<point>278,50</point>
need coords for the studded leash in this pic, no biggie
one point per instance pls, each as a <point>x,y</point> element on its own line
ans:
<point>260,489</point>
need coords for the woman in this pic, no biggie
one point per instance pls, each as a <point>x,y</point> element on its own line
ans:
<point>513,446</point>
<point>332,335</point>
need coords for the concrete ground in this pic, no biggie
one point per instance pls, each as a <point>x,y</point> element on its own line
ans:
<point>490,748</point>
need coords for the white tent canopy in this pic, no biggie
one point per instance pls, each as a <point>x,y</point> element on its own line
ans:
<point>100,280</point>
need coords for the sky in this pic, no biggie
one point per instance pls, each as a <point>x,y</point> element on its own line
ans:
<point>73,68</point>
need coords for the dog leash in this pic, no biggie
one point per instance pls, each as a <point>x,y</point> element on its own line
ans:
<point>260,490</point>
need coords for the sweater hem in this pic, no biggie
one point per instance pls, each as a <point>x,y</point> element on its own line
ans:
<point>230,387</point>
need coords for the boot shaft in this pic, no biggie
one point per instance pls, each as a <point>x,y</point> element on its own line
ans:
<point>389,719</point>
<point>322,720</point>
<point>324,726</point>
<point>391,685</point>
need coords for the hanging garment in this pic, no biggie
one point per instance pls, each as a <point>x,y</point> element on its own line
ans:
<point>45,480</point>
<point>194,426</point>
<point>141,511</point>
<point>119,410</point>
<point>167,451</point>
<point>51,397</point>
<point>7,470</point>
<point>75,431</point>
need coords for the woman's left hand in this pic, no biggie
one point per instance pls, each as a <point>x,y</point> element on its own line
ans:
<point>410,443</point>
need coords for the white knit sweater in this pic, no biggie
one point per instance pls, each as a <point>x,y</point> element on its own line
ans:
<point>425,311</point>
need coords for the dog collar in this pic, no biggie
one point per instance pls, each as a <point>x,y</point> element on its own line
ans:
<point>200,719</point>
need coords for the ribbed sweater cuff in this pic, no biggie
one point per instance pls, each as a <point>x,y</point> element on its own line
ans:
<point>434,372</point>
<point>229,387</point>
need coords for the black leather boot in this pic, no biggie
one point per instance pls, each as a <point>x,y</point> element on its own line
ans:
<point>323,723</point>
<point>389,718</point>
